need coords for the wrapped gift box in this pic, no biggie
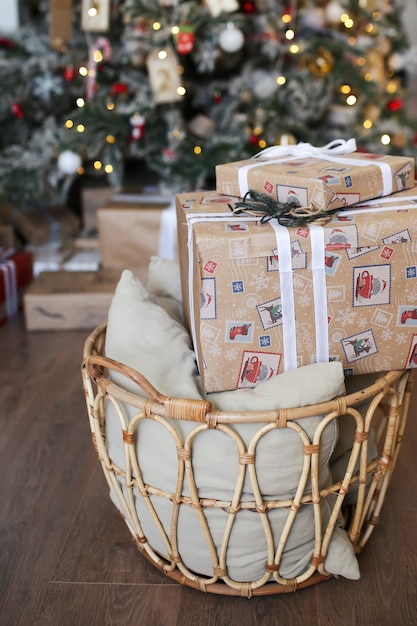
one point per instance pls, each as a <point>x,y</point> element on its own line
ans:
<point>261,298</point>
<point>69,300</point>
<point>130,232</point>
<point>16,273</point>
<point>314,178</point>
<point>49,225</point>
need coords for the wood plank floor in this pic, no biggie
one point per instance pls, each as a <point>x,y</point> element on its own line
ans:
<point>66,557</point>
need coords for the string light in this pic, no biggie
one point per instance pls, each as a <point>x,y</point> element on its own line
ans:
<point>351,100</point>
<point>294,48</point>
<point>385,139</point>
<point>111,139</point>
<point>110,106</point>
<point>281,80</point>
<point>289,34</point>
<point>156,25</point>
<point>80,102</point>
<point>162,54</point>
<point>108,168</point>
<point>345,89</point>
<point>69,124</point>
<point>80,128</point>
<point>83,71</point>
<point>97,165</point>
<point>197,149</point>
<point>181,91</point>
<point>97,56</point>
<point>367,124</point>
<point>262,143</point>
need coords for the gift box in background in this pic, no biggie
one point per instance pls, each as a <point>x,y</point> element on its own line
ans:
<point>16,273</point>
<point>130,232</point>
<point>69,300</point>
<point>38,227</point>
<point>261,299</point>
<point>316,178</point>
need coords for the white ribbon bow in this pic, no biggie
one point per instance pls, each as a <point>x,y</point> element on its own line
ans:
<point>337,147</point>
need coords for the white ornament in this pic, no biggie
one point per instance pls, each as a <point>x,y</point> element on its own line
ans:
<point>231,39</point>
<point>264,83</point>
<point>396,62</point>
<point>69,162</point>
<point>333,12</point>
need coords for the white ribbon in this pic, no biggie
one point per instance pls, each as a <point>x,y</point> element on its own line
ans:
<point>287,295</point>
<point>320,293</point>
<point>10,287</point>
<point>332,151</point>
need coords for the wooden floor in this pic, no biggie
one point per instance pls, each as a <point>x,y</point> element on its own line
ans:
<point>66,557</point>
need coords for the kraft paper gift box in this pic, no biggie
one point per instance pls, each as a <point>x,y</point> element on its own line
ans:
<point>261,299</point>
<point>38,227</point>
<point>73,300</point>
<point>131,232</point>
<point>320,178</point>
<point>16,273</point>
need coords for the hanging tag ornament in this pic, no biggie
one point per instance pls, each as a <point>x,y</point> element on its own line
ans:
<point>137,122</point>
<point>185,39</point>
<point>163,75</point>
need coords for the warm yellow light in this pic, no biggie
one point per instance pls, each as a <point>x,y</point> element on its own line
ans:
<point>108,169</point>
<point>294,49</point>
<point>385,140</point>
<point>348,23</point>
<point>162,54</point>
<point>289,34</point>
<point>80,170</point>
<point>83,71</point>
<point>197,149</point>
<point>369,77</point>
<point>286,18</point>
<point>80,128</point>
<point>80,102</point>
<point>110,106</point>
<point>92,12</point>
<point>262,143</point>
<point>175,30</point>
<point>281,80</point>
<point>361,61</point>
<point>351,100</point>
<point>111,139</point>
<point>98,56</point>
<point>344,17</point>
<point>345,89</point>
<point>97,165</point>
<point>377,15</point>
<point>181,91</point>
<point>369,28</point>
<point>257,130</point>
<point>391,87</point>
<point>367,124</point>
<point>156,25</point>
<point>69,124</point>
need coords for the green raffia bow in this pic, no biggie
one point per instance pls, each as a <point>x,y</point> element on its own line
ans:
<point>287,213</point>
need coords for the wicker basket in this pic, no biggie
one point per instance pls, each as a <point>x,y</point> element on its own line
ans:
<point>365,479</point>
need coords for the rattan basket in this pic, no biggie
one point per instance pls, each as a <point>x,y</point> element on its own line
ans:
<point>365,480</point>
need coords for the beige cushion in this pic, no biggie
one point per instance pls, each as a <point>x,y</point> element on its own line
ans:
<point>142,334</point>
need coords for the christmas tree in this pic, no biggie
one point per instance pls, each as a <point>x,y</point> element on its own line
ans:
<point>185,85</point>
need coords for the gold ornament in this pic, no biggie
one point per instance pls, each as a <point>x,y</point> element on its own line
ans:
<point>285,139</point>
<point>321,64</point>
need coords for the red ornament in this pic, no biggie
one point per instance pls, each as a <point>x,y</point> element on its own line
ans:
<point>248,7</point>
<point>5,42</point>
<point>69,73</point>
<point>253,139</point>
<point>395,105</point>
<point>118,88</point>
<point>217,96</point>
<point>17,110</point>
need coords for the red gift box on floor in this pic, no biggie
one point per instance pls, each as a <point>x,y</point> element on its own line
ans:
<point>16,272</point>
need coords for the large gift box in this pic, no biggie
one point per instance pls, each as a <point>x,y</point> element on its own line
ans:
<point>324,179</point>
<point>65,300</point>
<point>16,273</point>
<point>38,227</point>
<point>261,299</point>
<point>131,232</point>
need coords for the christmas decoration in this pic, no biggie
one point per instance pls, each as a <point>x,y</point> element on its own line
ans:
<point>183,86</point>
<point>231,39</point>
<point>69,162</point>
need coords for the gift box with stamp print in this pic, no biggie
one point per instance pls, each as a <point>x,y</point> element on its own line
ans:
<point>69,300</point>
<point>325,178</point>
<point>130,232</point>
<point>261,299</point>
